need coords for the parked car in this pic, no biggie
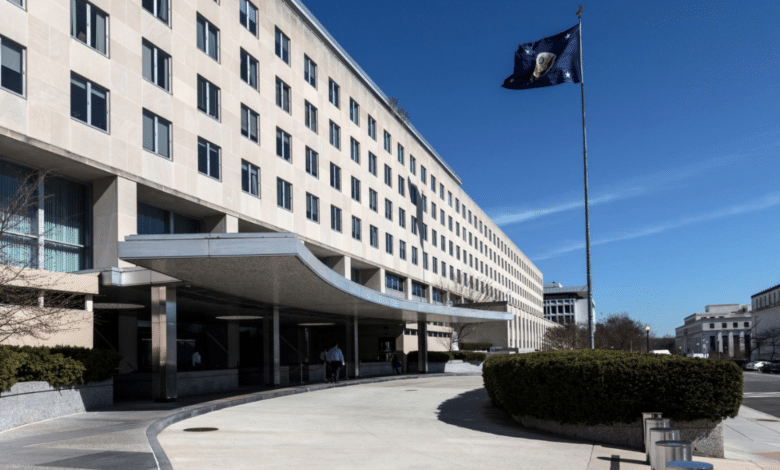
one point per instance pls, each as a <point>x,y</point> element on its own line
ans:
<point>740,362</point>
<point>771,368</point>
<point>755,365</point>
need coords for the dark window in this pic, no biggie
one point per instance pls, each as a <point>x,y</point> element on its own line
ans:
<point>156,134</point>
<point>283,145</point>
<point>208,158</point>
<point>208,38</point>
<point>283,194</point>
<point>247,16</point>
<point>88,102</point>
<point>282,95</point>
<point>250,178</point>
<point>309,71</point>
<point>158,8</point>
<point>312,207</point>
<point>248,69</point>
<point>156,65</point>
<point>312,162</point>
<point>250,127</point>
<point>12,57</point>
<point>208,97</point>
<point>282,46</point>
<point>89,25</point>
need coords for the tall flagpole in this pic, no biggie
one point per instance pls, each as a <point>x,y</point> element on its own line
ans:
<point>591,315</point>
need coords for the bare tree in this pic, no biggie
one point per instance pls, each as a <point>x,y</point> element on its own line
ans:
<point>570,336</point>
<point>33,303</point>
<point>400,111</point>
<point>768,338</point>
<point>620,332</point>
<point>476,291</point>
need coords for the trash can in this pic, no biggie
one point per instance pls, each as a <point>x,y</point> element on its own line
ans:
<point>645,417</point>
<point>660,434</point>
<point>671,451</point>
<point>649,424</point>
<point>688,465</point>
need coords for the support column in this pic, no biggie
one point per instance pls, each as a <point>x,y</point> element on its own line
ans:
<point>128,342</point>
<point>408,288</point>
<point>164,343</point>
<point>422,346</point>
<point>222,223</point>
<point>233,345</point>
<point>375,279</point>
<point>353,348</point>
<point>731,344</point>
<point>114,216</point>
<point>341,265</point>
<point>271,362</point>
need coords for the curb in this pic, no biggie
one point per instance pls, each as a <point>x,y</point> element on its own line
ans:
<point>158,426</point>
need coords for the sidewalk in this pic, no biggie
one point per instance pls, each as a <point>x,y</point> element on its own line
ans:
<point>441,420</point>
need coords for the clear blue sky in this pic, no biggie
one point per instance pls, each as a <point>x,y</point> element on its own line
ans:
<point>683,116</point>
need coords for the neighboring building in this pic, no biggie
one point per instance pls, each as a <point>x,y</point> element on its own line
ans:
<point>565,305</point>
<point>242,188</point>
<point>724,328</point>
<point>766,318</point>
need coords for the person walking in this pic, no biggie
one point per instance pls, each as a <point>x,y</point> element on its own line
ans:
<point>336,361</point>
<point>324,362</point>
<point>396,364</point>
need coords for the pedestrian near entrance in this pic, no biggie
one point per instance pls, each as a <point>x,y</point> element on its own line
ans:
<point>335,361</point>
<point>396,364</point>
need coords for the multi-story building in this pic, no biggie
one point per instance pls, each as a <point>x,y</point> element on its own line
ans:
<point>565,305</point>
<point>724,328</point>
<point>241,188</point>
<point>766,318</point>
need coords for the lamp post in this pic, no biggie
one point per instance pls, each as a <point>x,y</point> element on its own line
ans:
<point>647,330</point>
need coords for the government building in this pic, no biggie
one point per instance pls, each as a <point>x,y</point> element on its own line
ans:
<point>221,177</point>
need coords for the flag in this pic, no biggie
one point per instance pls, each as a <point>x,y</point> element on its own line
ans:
<point>547,62</point>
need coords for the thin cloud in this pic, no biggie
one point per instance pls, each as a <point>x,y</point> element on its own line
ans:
<point>764,202</point>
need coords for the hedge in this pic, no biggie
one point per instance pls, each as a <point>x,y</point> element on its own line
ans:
<point>433,356</point>
<point>475,346</point>
<point>469,356</point>
<point>606,387</point>
<point>59,366</point>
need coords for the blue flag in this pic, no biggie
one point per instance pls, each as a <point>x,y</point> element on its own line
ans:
<point>547,62</point>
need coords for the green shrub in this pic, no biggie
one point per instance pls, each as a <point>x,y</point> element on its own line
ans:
<point>605,387</point>
<point>475,346</point>
<point>10,361</point>
<point>100,364</point>
<point>39,364</point>
<point>469,356</point>
<point>433,356</point>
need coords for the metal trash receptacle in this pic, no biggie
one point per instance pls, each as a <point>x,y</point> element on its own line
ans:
<point>688,465</point>
<point>649,424</point>
<point>645,416</point>
<point>671,451</point>
<point>660,434</point>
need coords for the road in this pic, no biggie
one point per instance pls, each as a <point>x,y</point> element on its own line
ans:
<point>762,392</point>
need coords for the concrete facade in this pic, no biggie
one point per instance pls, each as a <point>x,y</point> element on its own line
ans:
<point>566,304</point>
<point>724,329</point>
<point>766,318</point>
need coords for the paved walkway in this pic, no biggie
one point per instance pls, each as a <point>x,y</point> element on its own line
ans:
<point>429,422</point>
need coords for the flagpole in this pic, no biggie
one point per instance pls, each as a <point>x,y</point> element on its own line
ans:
<point>591,313</point>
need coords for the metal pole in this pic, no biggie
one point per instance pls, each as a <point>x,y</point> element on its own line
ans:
<point>591,313</point>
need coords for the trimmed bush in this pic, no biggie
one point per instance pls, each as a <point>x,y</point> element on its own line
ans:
<point>101,364</point>
<point>469,356</point>
<point>606,387</point>
<point>56,369</point>
<point>9,363</point>
<point>433,356</point>
<point>475,346</point>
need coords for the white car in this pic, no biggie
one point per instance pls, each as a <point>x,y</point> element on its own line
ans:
<point>755,365</point>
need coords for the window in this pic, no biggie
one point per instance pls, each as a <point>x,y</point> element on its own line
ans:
<point>282,46</point>
<point>12,58</point>
<point>371,127</point>
<point>283,194</point>
<point>372,197</point>
<point>250,124</point>
<point>156,65</point>
<point>449,198</point>
<point>414,255</point>
<point>335,135</point>
<point>356,228</point>
<point>401,218</point>
<point>401,156</point>
<point>402,249</point>
<point>394,282</point>
<point>433,184</point>
<point>433,210</point>
<point>425,260</point>
<point>89,25</point>
<point>335,177</point>
<point>282,95</point>
<point>310,116</point>
<point>283,145</point>
<point>388,209</point>
<point>414,225</point>
<point>435,266</point>
<point>457,205</point>
<point>354,150</point>
<point>335,218</point>
<point>401,185</point>
<point>356,189</point>
<point>309,71</point>
<point>88,101</point>
<point>413,194</point>
<point>208,38</point>
<point>248,69</point>
<point>372,163</point>
<point>247,16</point>
<point>373,234</point>
<point>388,176</point>
<point>312,162</point>
<point>441,191</point>
<point>250,178</point>
<point>354,111</point>
<point>433,237</point>
<point>388,244</point>
<point>208,158</point>
<point>422,174</point>
<point>333,93</point>
<point>387,141</point>
<point>312,208</point>
<point>208,97</point>
<point>157,134</point>
<point>19,3</point>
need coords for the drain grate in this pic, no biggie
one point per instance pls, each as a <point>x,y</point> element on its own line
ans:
<point>769,420</point>
<point>201,429</point>
<point>410,390</point>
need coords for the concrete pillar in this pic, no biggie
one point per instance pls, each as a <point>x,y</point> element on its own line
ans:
<point>375,279</point>
<point>731,344</point>
<point>353,348</point>
<point>222,223</point>
<point>422,346</point>
<point>233,344</point>
<point>271,362</point>
<point>341,265</point>
<point>128,342</point>
<point>429,294</point>
<point>164,343</point>
<point>114,216</point>
<point>408,288</point>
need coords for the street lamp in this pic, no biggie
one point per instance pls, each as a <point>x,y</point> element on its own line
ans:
<point>647,330</point>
